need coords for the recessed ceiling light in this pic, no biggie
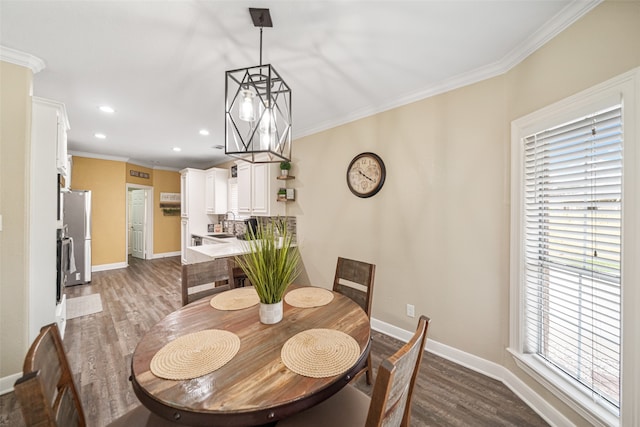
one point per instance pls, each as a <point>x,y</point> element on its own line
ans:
<point>100,135</point>
<point>107,109</point>
<point>204,132</point>
<point>177,149</point>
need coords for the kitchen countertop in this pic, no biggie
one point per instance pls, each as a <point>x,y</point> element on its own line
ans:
<point>221,249</point>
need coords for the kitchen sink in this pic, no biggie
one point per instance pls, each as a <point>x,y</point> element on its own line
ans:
<point>221,235</point>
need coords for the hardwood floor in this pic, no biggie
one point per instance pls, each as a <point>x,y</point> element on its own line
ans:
<point>99,347</point>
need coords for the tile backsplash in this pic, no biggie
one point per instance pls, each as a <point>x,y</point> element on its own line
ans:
<point>240,226</point>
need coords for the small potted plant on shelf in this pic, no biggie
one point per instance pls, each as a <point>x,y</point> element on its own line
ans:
<point>271,267</point>
<point>282,194</point>
<point>284,168</point>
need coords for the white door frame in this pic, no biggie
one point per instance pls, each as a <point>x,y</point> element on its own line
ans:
<point>148,227</point>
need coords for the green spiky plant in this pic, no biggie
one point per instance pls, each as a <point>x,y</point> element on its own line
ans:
<point>271,268</point>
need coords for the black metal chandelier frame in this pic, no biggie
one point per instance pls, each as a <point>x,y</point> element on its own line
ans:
<point>264,134</point>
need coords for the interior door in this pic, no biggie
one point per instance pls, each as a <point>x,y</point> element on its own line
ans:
<point>138,209</point>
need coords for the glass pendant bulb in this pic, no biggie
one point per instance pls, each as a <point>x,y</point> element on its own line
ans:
<point>246,111</point>
<point>267,128</point>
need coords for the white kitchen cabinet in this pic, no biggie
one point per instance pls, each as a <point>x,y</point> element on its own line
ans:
<point>244,188</point>
<point>258,189</point>
<point>192,182</point>
<point>194,218</point>
<point>42,220</point>
<point>216,191</point>
<point>62,160</point>
<point>184,195</point>
<point>185,238</point>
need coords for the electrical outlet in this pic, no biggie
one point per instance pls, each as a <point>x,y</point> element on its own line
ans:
<point>411,310</point>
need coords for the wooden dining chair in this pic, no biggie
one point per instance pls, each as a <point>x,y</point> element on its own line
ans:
<point>238,275</point>
<point>354,279</point>
<point>47,395</point>
<point>206,278</point>
<point>390,402</point>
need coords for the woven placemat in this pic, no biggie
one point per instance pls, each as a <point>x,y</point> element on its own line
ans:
<point>320,353</point>
<point>308,297</point>
<point>235,299</point>
<point>195,354</point>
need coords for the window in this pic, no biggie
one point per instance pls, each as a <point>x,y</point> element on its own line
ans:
<point>573,180</point>
<point>569,165</point>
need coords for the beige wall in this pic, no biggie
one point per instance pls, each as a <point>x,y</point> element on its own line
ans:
<point>15,137</point>
<point>166,229</point>
<point>107,179</point>
<point>438,231</point>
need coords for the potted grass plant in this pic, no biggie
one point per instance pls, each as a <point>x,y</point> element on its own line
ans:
<point>271,264</point>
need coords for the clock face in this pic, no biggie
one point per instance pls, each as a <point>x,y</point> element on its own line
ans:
<point>366,174</point>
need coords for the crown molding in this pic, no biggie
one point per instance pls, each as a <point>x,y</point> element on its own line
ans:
<point>561,21</point>
<point>121,159</point>
<point>23,59</point>
<point>98,156</point>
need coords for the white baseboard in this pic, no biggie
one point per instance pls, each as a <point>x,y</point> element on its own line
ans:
<point>104,267</point>
<point>485,367</point>
<point>165,255</point>
<point>6,383</point>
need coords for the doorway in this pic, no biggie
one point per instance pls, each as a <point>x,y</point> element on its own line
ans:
<point>139,221</point>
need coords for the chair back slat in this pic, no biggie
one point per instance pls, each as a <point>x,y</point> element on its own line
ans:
<point>36,408</point>
<point>354,279</point>
<point>391,396</point>
<point>45,358</point>
<point>46,391</point>
<point>66,414</point>
<point>205,278</point>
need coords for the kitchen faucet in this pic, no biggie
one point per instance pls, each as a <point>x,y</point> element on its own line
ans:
<point>234,221</point>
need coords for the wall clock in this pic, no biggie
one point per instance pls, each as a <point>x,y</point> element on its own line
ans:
<point>366,174</point>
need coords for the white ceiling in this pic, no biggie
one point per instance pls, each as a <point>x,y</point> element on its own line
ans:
<point>161,64</point>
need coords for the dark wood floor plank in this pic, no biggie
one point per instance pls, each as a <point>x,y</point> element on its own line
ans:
<point>99,348</point>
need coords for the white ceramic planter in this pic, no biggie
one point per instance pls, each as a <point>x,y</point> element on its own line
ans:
<point>271,313</point>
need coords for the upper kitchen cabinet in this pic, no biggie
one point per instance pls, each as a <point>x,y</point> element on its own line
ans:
<point>62,159</point>
<point>244,188</point>
<point>192,183</point>
<point>52,125</point>
<point>258,189</point>
<point>216,191</point>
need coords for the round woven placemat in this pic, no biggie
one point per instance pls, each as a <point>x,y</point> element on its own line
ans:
<point>320,353</point>
<point>308,297</point>
<point>195,354</point>
<point>235,299</point>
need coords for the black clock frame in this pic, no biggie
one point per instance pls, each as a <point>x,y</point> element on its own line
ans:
<point>383,174</point>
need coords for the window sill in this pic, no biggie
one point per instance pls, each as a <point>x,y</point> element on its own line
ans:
<point>596,412</point>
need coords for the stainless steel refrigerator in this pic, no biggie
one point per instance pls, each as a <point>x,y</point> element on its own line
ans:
<point>76,208</point>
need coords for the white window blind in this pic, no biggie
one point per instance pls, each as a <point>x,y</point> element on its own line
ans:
<point>572,204</point>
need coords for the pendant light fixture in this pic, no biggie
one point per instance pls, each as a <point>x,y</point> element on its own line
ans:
<point>258,109</point>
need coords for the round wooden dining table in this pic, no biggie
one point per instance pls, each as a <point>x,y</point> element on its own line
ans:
<point>254,387</point>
